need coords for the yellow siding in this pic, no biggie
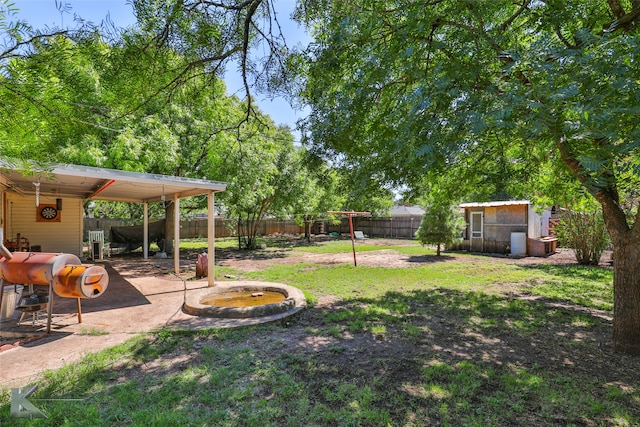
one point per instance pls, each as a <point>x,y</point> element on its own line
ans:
<point>64,236</point>
<point>2,224</point>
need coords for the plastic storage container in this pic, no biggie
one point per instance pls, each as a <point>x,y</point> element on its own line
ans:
<point>519,244</point>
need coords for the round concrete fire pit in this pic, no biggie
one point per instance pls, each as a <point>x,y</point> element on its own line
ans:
<point>243,300</point>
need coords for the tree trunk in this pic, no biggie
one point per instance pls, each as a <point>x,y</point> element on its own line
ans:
<point>252,234</point>
<point>438,250</point>
<point>626,254</point>
<point>626,286</point>
<point>626,272</point>
<point>307,230</point>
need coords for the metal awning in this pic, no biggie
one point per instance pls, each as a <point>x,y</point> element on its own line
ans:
<point>87,182</point>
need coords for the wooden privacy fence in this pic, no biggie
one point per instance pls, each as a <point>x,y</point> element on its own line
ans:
<point>226,228</point>
<point>104,224</point>
<point>387,227</point>
<point>383,227</point>
<point>198,228</point>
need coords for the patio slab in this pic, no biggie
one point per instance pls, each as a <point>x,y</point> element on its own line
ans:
<point>143,295</point>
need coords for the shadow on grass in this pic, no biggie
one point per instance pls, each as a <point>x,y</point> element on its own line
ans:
<point>573,271</point>
<point>468,349</point>
<point>429,259</point>
<point>427,357</point>
<point>251,254</point>
<point>586,285</point>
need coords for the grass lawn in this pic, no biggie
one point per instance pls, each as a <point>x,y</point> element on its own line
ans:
<point>466,342</point>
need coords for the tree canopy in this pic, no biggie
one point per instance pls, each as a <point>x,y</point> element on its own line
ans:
<point>148,98</point>
<point>498,85</point>
<point>411,90</point>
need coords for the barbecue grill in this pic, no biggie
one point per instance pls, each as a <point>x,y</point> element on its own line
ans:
<point>64,274</point>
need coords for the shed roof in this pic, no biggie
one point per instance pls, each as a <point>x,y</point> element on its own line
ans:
<point>88,182</point>
<point>494,204</point>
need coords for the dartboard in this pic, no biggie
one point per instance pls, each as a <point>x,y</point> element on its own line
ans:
<point>48,212</point>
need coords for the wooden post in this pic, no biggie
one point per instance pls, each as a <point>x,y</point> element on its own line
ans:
<point>79,311</point>
<point>176,234</point>
<point>353,240</point>
<point>211,239</point>
<point>145,230</point>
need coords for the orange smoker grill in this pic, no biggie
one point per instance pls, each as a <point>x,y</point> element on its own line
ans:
<point>65,275</point>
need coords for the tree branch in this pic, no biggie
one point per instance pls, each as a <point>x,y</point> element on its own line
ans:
<point>8,53</point>
<point>616,8</point>
<point>253,6</point>
<point>563,39</point>
<point>524,6</point>
<point>504,56</point>
<point>607,197</point>
<point>626,22</point>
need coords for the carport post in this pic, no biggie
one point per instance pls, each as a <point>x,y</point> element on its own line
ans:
<point>145,230</point>
<point>176,234</point>
<point>211,239</point>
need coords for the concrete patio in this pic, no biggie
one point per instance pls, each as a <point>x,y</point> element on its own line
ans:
<point>143,295</point>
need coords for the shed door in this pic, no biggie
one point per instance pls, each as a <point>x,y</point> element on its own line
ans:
<point>477,219</point>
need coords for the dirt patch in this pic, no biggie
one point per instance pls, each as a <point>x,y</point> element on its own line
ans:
<point>283,253</point>
<point>259,260</point>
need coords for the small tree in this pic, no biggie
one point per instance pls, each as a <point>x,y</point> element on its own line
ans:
<point>441,225</point>
<point>583,229</point>
<point>318,192</point>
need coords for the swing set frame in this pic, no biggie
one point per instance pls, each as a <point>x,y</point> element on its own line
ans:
<point>351,214</point>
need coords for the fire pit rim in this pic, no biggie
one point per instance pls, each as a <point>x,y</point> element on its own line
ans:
<point>294,300</point>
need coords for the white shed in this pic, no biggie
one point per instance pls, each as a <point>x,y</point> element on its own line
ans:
<point>511,227</point>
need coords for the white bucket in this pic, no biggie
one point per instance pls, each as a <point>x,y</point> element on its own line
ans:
<point>10,298</point>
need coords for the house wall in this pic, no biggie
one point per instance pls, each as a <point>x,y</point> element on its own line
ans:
<point>64,236</point>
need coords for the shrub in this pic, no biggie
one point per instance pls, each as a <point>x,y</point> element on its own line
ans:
<point>584,231</point>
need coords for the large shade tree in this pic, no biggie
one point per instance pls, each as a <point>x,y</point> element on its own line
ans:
<point>319,192</point>
<point>217,36</point>
<point>263,169</point>
<point>146,98</point>
<point>410,88</point>
<point>49,86</point>
<point>77,96</point>
<point>134,70</point>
